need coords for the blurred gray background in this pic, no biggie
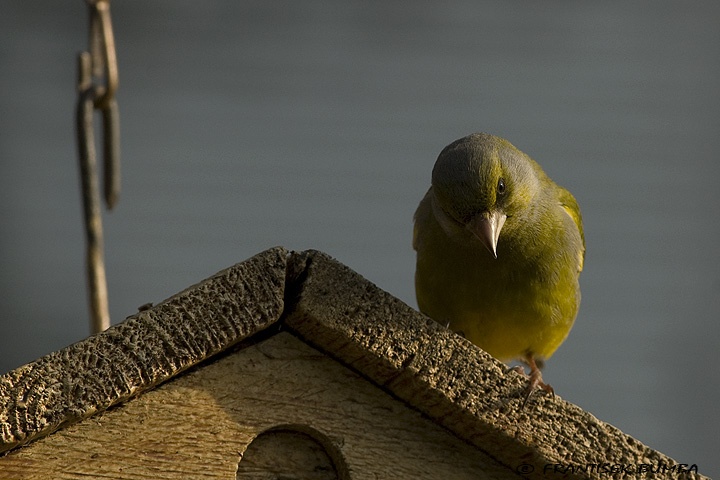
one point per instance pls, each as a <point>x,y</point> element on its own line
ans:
<point>246,125</point>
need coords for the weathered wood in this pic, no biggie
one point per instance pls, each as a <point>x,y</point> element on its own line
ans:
<point>450,380</point>
<point>143,351</point>
<point>199,424</point>
<point>194,427</point>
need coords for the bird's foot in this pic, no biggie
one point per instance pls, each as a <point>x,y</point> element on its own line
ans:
<point>535,380</point>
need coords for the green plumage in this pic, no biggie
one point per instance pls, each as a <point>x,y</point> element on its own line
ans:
<point>522,304</point>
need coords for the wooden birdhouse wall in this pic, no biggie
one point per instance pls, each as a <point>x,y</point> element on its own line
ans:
<point>281,405</point>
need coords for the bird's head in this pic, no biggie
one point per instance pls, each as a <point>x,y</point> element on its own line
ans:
<point>479,184</point>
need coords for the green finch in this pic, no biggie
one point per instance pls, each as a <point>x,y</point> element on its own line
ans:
<point>500,247</point>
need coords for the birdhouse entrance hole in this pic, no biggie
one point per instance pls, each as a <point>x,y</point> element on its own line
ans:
<point>292,452</point>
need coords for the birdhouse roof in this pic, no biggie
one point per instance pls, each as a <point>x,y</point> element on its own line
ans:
<point>335,310</point>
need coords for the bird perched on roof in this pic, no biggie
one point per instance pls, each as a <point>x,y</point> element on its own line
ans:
<point>500,247</point>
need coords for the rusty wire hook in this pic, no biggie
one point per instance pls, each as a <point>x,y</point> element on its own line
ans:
<point>97,84</point>
<point>101,75</point>
<point>102,50</point>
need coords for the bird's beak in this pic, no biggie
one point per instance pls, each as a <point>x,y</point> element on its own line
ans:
<point>486,227</point>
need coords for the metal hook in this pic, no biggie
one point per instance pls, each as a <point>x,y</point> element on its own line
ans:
<point>102,49</point>
<point>102,76</point>
<point>111,153</point>
<point>97,282</point>
<point>97,84</point>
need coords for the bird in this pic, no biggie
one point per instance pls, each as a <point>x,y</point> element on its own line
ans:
<point>499,251</point>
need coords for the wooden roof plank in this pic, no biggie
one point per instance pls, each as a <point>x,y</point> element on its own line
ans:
<point>451,380</point>
<point>143,351</point>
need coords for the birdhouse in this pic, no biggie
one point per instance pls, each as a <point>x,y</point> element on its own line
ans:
<point>290,365</point>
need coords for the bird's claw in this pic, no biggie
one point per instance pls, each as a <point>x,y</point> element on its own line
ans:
<point>535,380</point>
<point>534,383</point>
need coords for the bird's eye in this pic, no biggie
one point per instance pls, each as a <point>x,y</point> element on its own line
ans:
<point>501,187</point>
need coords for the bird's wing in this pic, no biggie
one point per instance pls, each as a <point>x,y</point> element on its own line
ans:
<point>570,205</point>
